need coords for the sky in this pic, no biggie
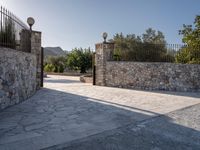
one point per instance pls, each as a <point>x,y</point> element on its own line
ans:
<point>80,23</point>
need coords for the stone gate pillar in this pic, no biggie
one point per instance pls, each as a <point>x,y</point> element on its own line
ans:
<point>36,49</point>
<point>103,53</point>
<point>24,44</point>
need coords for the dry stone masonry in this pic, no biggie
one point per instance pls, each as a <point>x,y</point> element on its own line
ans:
<point>17,76</point>
<point>153,76</point>
<point>144,76</point>
<point>20,72</point>
<point>104,52</point>
<point>36,50</point>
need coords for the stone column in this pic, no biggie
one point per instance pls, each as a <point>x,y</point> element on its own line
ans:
<point>24,44</point>
<point>104,53</point>
<point>36,50</point>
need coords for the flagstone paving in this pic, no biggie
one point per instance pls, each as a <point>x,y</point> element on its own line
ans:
<point>66,110</point>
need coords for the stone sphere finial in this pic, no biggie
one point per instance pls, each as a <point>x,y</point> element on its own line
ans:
<point>105,35</point>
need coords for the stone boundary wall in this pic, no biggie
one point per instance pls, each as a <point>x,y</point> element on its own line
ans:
<point>153,76</point>
<point>17,76</point>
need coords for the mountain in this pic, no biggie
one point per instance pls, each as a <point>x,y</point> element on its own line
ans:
<point>53,51</point>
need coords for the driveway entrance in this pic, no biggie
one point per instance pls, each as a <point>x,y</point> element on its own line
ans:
<point>67,110</point>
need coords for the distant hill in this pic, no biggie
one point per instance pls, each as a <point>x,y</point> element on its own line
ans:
<point>54,51</point>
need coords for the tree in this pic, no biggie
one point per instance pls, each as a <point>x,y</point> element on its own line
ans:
<point>183,56</point>
<point>191,37</point>
<point>126,47</point>
<point>55,64</point>
<point>80,59</point>
<point>151,47</point>
<point>153,37</point>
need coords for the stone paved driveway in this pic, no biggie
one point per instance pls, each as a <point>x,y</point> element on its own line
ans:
<point>179,130</point>
<point>67,110</point>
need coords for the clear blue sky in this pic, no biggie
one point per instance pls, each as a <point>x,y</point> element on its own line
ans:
<point>80,23</point>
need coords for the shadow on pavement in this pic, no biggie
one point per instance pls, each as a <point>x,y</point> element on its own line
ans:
<point>136,129</point>
<point>67,121</point>
<point>157,134</point>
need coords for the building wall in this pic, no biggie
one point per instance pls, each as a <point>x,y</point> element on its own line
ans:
<point>153,76</point>
<point>17,76</point>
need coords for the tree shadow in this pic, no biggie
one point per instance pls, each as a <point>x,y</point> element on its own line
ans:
<point>65,120</point>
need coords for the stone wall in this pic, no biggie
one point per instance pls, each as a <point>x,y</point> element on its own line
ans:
<point>143,76</point>
<point>17,76</point>
<point>153,76</point>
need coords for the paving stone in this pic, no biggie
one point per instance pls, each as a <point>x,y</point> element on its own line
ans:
<point>67,111</point>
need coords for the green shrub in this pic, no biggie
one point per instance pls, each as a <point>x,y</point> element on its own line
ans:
<point>49,68</point>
